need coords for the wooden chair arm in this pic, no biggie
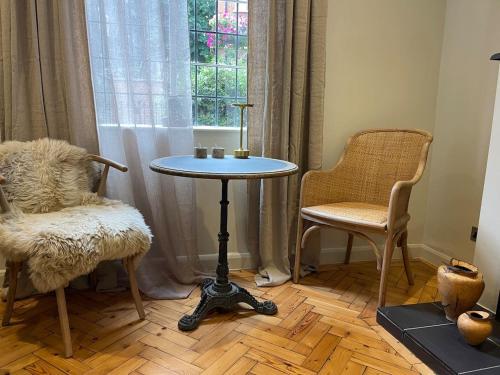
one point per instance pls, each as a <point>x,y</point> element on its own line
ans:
<point>111,163</point>
<point>101,189</point>
<point>4,204</point>
<point>401,191</point>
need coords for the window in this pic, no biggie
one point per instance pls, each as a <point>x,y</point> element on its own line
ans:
<point>140,63</point>
<point>219,46</point>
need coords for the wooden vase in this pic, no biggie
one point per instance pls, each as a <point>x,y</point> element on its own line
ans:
<point>460,285</point>
<point>475,326</point>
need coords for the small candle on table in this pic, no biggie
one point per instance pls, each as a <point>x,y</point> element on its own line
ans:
<point>218,152</point>
<point>200,152</point>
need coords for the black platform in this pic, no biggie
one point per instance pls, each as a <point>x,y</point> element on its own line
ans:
<point>425,331</point>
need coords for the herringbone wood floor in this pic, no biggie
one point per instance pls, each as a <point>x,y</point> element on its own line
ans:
<point>324,325</point>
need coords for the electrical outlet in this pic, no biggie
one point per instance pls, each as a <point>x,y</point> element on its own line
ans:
<point>473,234</point>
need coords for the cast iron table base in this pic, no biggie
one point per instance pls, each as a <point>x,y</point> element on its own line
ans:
<point>221,294</point>
<point>221,301</point>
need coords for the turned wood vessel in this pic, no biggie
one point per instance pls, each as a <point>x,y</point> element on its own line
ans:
<point>460,285</point>
<point>475,326</point>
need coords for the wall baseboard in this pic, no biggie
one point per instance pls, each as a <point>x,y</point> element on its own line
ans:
<point>335,256</point>
<point>365,253</point>
<point>429,255</point>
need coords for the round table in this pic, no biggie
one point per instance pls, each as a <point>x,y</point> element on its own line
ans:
<point>221,294</point>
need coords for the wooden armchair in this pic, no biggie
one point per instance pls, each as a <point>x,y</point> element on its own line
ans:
<point>367,192</point>
<point>52,222</point>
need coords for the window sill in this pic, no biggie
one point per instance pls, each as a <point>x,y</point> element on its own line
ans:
<point>200,129</point>
<point>196,129</point>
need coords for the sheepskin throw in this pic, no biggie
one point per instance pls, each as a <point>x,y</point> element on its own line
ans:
<point>57,224</point>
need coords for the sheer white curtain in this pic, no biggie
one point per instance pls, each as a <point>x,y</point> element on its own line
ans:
<point>140,68</point>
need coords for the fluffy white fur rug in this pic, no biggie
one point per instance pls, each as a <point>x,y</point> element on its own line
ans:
<point>57,224</point>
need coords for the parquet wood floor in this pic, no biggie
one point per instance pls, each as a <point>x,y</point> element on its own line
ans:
<point>325,325</point>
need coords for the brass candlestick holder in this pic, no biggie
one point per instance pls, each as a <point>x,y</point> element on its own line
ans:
<point>241,153</point>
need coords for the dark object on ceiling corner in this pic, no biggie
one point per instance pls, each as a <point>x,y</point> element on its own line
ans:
<point>496,56</point>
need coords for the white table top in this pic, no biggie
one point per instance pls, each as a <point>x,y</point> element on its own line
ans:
<point>228,168</point>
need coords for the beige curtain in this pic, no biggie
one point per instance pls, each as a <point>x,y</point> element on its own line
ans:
<point>286,84</point>
<point>45,83</point>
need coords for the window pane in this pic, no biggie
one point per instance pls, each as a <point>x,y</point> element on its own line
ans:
<point>219,48</point>
<point>154,11</point>
<point>192,43</point>
<point>160,112</point>
<point>137,71</point>
<point>227,112</point>
<point>242,50</point>
<point>133,11</point>
<point>120,50</point>
<point>193,80</point>
<point>227,17</point>
<point>156,71</point>
<point>141,109</point>
<point>94,30</point>
<point>114,70</point>
<point>123,109</point>
<point>205,15</point>
<point>136,41</point>
<point>103,109</point>
<point>155,41</point>
<point>242,83</point>
<point>205,47</point>
<point>193,111</point>
<point>191,14</point>
<point>206,81</point>
<point>205,112</point>
<point>226,51</point>
<point>92,10</point>
<point>226,82</point>
<point>242,19</point>
<point>98,75</point>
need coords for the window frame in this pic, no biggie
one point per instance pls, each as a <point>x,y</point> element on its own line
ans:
<point>194,31</point>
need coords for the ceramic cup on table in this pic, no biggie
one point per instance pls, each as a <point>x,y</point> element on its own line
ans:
<point>218,152</point>
<point>200,152</point>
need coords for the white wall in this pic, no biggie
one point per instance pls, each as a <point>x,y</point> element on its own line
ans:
<point>487,253</point>
<point>467,83</point>
<point>382,71</point>
<point>414,64</point>
<point>393,63</point>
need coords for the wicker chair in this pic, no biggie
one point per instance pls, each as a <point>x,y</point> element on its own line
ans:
<point>366,193</point>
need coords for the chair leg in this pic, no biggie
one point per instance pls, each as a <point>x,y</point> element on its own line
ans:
<point>93,280</point>
<point>14,268</point>
<point>403,243</point>
<point>64,321</point>
<point>350,239</point>
<point>386,263</point>
<point>130,265</point>
<point>298,249</point>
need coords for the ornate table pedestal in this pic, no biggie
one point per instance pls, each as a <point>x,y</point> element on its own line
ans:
<point>221,294</point>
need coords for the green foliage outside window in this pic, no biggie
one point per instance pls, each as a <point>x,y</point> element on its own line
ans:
<point>219,47</point>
